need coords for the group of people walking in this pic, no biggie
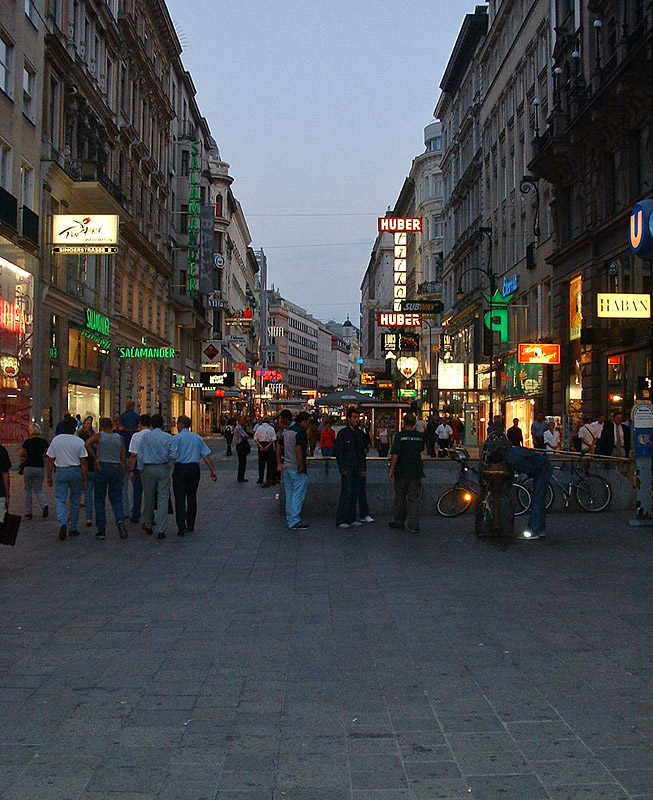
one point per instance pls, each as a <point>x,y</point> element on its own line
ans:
<point>129,450</point>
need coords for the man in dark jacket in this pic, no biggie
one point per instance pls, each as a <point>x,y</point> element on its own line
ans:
<point>351,452</point>
<point>615,438</point>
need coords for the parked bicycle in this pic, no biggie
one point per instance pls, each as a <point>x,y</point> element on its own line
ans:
<point>456,500</point>
<point>592,492</point>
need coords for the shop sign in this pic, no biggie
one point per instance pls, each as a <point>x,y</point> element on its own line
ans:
<point>523,380</point>
<point>54,353</point>
<point>103,342</point>
<point>9,366</point>
<point>407,365</point>
<point>194,211</point>
<point>147,353</point>
<point>218,260</point>
<point>614,361</point>
<point>268,375</point>
<point>385,385</point>
<point>211,352</point>
<point>407,394</point>
<point>275,388</point>
<point>240,318</point>
<point>237,340</point>
<point>409,342</point>
<point>398,226</point>
<point>496,319</point>
<point>98,322</point>
<point>178,381</point>
<point>240,367</point>
<point>214,301</point>
<point>368,379</point>
<point>275,331</point>
<point>212,380</point>
<point>247,382</point>
<point>12,317</point>
<point>538,353</point>
<point>194,385</point>
<point>624,306</point>
<point>389,341</point>
<point>423,306</point>
<point>76,230</point>
<point>451,375</point>
<point>643,426</point>
<point>575,307</point>
<point>509,285</point>
<point>641,228</point>
<point>389,319</point>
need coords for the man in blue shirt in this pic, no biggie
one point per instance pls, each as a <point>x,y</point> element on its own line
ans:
<point>156,454</point>
<point>191,448</point>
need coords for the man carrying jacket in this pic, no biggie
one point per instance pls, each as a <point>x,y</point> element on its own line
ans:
<point>351,452</point>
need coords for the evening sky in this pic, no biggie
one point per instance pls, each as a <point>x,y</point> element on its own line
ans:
<point>319,108</point>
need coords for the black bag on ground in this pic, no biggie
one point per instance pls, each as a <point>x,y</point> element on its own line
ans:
<point>9,529</point>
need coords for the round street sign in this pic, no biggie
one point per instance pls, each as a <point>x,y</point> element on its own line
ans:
<point>218,260</point>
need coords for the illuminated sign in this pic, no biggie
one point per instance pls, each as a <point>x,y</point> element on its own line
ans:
<point>194,172</point>
<point>423,306</point>
<point>409,342</point>
<point>407,394</point>
<point>385,385</point>
<point>98,322</point>
<point>368,379</point>
<point>211,380</point>
<point>575,308</point>
<point>269,375</point>
<point>509,285</point>
<point>408,366</point>
<point>240,318</point>
<point>614,361</point>
<point>178,381</point>
<point>641,228</point>
<point>451,375</point>
<point>389,341</point>
<point>623,306</point>
<point>390,319</point>
<point>146,352</point>
<point>496,319</point>
<point>12,317</point>
<point>538,354</point>
<point>399,224</point>
<point>80,231</point>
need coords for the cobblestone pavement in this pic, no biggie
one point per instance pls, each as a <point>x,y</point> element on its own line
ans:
<point>249,662</point>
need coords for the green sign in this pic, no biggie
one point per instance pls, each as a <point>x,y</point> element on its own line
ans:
<point>147,353</point>
<point>497,318</point>
<point>407,394</point>
<point>54,353</point>
<point>194,172</point>
<point>98,322</point>
<point>103,342</point>
<point>523,380</point>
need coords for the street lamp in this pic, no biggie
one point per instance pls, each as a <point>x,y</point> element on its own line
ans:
<point>492,278</point>
<point>527,183</point>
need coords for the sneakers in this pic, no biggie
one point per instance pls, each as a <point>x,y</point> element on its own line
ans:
<point>123,529</point>
<point>533,535</point>
<point>356,524</point>
<point>100,535</point>
<point>343,526</point>
<point>46,511</point>
<point>63,533</point>
<point>299,526</point>
<point>367,519</point>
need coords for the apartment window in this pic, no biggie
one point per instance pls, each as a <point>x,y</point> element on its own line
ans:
<point>26,185</point>
<point>53,113</point>
<point>185,162</point>
<point>30,11</point>
<point>183,219</point>
<point>123,87</point>
<point>5,167</point>
<point>110,73</point>
<point>6,60</point>
<point>29,91</point>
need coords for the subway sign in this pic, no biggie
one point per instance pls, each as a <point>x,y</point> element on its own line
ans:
<point>641,228</point>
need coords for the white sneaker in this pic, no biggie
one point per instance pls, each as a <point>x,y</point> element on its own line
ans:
<point>344,525</point>
<point>356,524</point>
<point>367,519</point>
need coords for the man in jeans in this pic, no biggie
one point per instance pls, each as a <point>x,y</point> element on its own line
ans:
<point>407,472</point>
<point>538,467</point>
<point>351,454</point>
<point>295,480</point>
<point>108,450</point>
<point>68,454</point>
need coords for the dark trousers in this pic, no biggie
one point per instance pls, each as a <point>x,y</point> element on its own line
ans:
<point>430,446</point>
<point>384,449</point>
<point>109,477</point>
<point>138,496</point>
<point>185,480</point>
<point>228,437</point>
<point>350,494</point>
<point>267,458</point>
<point>242,448</point>
<point>407,499</point>
<point>445,444</point>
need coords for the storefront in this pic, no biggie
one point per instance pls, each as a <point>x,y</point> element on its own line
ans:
<point>16,342</point>
<point>88,392</point>
<point>523,383</point>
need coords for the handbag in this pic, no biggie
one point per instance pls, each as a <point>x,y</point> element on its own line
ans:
<point>9,529</point>
<point>21,467</point>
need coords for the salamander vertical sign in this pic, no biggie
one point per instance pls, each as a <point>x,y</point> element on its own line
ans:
<point>194,173</point>
<point>399,227</point>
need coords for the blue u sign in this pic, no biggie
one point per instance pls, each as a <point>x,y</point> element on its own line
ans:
<point>641,228</point>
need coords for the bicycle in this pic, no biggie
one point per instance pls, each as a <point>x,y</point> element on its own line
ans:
<point>456,500</point>
<point>592,492</point>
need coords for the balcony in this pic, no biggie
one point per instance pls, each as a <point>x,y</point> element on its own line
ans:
<point>8,209</point>
<point>29,225</point>
<point>187,130</point>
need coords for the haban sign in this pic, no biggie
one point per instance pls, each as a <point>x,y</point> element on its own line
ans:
<point>624,306</point>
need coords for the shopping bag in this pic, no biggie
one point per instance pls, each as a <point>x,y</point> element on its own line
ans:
<point>9,529</point>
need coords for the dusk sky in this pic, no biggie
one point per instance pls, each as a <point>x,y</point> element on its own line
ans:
<point>319,108</point>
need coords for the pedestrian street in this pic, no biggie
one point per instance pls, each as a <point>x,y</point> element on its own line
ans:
<point>245,661</point>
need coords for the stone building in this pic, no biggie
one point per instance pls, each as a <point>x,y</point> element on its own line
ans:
<point>594,147</point>
<point>21,91</point>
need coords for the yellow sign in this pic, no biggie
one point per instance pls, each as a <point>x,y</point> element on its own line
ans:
<point>368,379</point>
<point>623,306</point>
<point>81,231</point>
<point>575,307</point>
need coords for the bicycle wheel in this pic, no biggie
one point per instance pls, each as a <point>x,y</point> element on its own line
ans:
<point>454,501</point>
<point>594,494</point>
<point>521,499</point>
<point>528,483</point>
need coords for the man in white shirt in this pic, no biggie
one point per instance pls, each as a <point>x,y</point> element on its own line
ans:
<point>586,436</point>
<point>551,438</point>
<point>444,432</point>
<point>145,425</point>
<point>597,427</point>
<point>68,454</point>
<point>265,437</point>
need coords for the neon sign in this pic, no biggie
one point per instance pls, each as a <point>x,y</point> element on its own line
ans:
<point>398,226</point>
<point>12,317</point>
<point>641,228</point>
<point>193,217</point>
<point>497,318</point>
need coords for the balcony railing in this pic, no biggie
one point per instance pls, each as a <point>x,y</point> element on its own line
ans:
<point>29,227</point>
<point>8,209</point>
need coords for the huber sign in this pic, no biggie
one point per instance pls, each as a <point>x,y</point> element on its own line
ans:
<point>387,319</point>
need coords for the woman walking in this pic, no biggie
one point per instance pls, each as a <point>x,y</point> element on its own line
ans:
<point>241,441</point>
<point>85,432</point>
<point>383,439</point>
<point>31,454</point>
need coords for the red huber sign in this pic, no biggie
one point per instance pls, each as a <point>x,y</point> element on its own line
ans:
<point>400,224</point>
<point>398,319</point>
<point>539,354</point>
